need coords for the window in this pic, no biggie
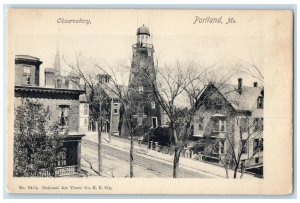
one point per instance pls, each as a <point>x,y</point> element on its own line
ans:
<point>255,145</point>
<point>244,146</point>
<point>217,104</point>
<point>141,89</point>
<point>85,122</point>
<point>26,75</point>
<point>62,159</point>
<point>243,164</point>
<point>215,149</point>
<point>140,120</point>
<point>220,124</point>
<point>116,108</point>
<point>26,70</point>
<point>258,145</point>
<point>257,160</point>
<point>67,83</point>
<point>154,122</point>
<point>201,127</point>
<point>260,102</point>
<point>85,111</point>
<point>244,125</point>
<point>105,79</point>
<point>221,146</point>
<point>258,124</point>
<point>166,118</point>
<point>59,83</point>
<point>64,115</point>
<point>153,105</point>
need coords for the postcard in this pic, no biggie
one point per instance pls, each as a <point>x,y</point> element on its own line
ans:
<point>149,101</point>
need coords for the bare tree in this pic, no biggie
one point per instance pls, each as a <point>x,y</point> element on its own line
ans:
<point>250,69</point>
<point>96,99</point>
<point>177,89</point>
<point>118,87</point>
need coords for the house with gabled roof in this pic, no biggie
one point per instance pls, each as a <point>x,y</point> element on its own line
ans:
<point>107,96</point>
<point>229,123</point>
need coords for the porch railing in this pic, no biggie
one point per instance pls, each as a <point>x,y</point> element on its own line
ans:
<point>59,171</point>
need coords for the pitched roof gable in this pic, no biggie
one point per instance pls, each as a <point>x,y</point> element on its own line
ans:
<point>243,101</point>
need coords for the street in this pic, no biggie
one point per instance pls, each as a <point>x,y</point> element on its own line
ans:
<point>116,163</point>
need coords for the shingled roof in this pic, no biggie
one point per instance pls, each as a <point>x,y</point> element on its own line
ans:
<point>242,101</point>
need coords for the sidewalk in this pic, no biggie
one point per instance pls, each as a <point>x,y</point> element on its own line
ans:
<point>124,144</point>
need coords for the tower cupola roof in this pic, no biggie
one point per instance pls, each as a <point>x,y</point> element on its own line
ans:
<point>143,31</point>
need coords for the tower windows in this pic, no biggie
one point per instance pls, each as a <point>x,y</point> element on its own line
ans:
<point>141,89</point>
<point>221,146</point>
<point>140,120</point>
<point>154,122</point>
<point>152,105</point>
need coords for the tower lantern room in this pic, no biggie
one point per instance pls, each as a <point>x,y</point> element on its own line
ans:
<point>143,37</point>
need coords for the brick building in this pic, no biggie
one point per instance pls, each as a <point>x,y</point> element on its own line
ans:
<point>147,113</point>
<point>231,117</point>
<point>63,103</point>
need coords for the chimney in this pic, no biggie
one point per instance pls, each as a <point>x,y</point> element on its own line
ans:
<point>49,77</point>
<point>240,83</point>
<point>255,84</point>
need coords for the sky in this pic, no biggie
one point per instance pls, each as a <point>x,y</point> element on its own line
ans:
<point>108,40</point>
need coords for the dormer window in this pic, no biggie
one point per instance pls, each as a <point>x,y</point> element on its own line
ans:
<point>141,89</point>
<point>260,102</point>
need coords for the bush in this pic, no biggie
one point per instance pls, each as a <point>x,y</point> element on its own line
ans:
<point>162,135</point>
<point>35,148</point>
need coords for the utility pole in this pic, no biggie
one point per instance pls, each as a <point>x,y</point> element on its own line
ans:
<point>110,125</point>
<point>99,139</point>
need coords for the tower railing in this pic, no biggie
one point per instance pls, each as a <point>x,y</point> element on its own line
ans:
<point>142,45</point>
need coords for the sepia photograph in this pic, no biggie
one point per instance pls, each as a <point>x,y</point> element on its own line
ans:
<point>150,99</point>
